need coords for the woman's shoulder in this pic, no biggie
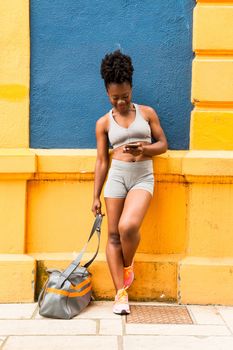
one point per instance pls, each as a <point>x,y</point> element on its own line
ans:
<point>148,112</point>
<point>103,122</point>
<point>147,109</point>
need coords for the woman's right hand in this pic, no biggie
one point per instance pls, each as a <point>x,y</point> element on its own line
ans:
<point>96,206</point>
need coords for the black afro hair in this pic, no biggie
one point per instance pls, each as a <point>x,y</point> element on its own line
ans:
<point>116,68</point>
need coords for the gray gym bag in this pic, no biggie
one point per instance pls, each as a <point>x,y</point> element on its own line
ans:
<point>66,293</point>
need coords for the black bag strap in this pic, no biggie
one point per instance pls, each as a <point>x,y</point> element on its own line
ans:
<point>73,266</point>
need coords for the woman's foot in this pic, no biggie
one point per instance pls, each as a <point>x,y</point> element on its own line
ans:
<point>128,276</point>
<point>121,303</point>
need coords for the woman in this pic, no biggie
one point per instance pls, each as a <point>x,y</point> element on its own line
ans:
<point>129,188</point>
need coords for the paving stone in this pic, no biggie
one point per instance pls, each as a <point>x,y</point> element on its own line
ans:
<point>2,340</point>
<point>96,310</point>
<point>61,343</point>
<point>173,329</point>
<point>227,315</point>
<point>111,327</point>
<point>17,311</point>
<point>99,310</point>
<point>205,314</point>
<point>177,343</point>
<point>47,327</point>
<point>154,303</point>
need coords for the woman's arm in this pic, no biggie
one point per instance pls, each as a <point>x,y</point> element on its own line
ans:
<point>102,161</point>
<point>160,146</point>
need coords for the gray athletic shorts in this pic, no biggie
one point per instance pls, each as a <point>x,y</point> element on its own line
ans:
<point>126,176</point>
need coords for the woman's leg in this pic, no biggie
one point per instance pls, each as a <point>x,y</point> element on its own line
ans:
<point>114,255</point>
<point>135,207</point>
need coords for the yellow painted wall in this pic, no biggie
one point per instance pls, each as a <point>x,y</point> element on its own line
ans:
<point>210,220</point>
<point>16,167</point>
<point>14,73</point>
<point>212,76</point>
<point>190,216</point>
<point>57,206</point>
<point>189,213</point>
<point>212,129</point>
<point>205,281</point>
<point>18,276</point>
<point>214,35</point>
<point>13,216</point>
<point>16,163</point>
<point>63,207</point>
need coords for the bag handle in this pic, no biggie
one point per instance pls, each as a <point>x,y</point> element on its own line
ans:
<point>73,266</point>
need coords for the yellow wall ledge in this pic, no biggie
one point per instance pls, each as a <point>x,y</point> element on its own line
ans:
<point>18,275</point>
<point>208,163</point>
<point>193,162</point>
<point>64,162</point>
<point>156,275</point>
<point>17,161</point>
<point>205,281</point>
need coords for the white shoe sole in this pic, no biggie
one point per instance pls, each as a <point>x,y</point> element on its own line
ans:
<point>121,310</point>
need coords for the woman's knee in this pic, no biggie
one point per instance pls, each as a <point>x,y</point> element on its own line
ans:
<point>128,230</point>
<point>114,238</point>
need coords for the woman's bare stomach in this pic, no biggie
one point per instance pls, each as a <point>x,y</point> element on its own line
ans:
<point>118,154</point>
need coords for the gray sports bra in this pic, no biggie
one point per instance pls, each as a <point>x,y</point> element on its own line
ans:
<point>139,130</point>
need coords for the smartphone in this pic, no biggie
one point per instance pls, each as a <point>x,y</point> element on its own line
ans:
<point>132,145</point>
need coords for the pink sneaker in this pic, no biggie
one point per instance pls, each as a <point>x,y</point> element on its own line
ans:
<point>128,276</point>
<point>121,304</point>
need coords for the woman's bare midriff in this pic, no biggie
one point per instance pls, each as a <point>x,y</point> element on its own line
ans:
<point>118,154</point>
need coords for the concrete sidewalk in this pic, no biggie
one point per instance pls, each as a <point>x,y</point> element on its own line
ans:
<point>21,327</point>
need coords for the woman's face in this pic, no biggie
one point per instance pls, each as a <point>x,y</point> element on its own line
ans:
<point>120,96</point>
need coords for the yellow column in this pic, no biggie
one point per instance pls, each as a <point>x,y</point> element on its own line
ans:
<point>205,275</point>
<point>17,162</point>
<point>14,73</point>
<point>212,83</point>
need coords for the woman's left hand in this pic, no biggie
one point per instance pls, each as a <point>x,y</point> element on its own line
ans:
<point>136,149</point>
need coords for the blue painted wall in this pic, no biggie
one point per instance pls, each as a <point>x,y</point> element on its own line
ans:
<point>68,41</point>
